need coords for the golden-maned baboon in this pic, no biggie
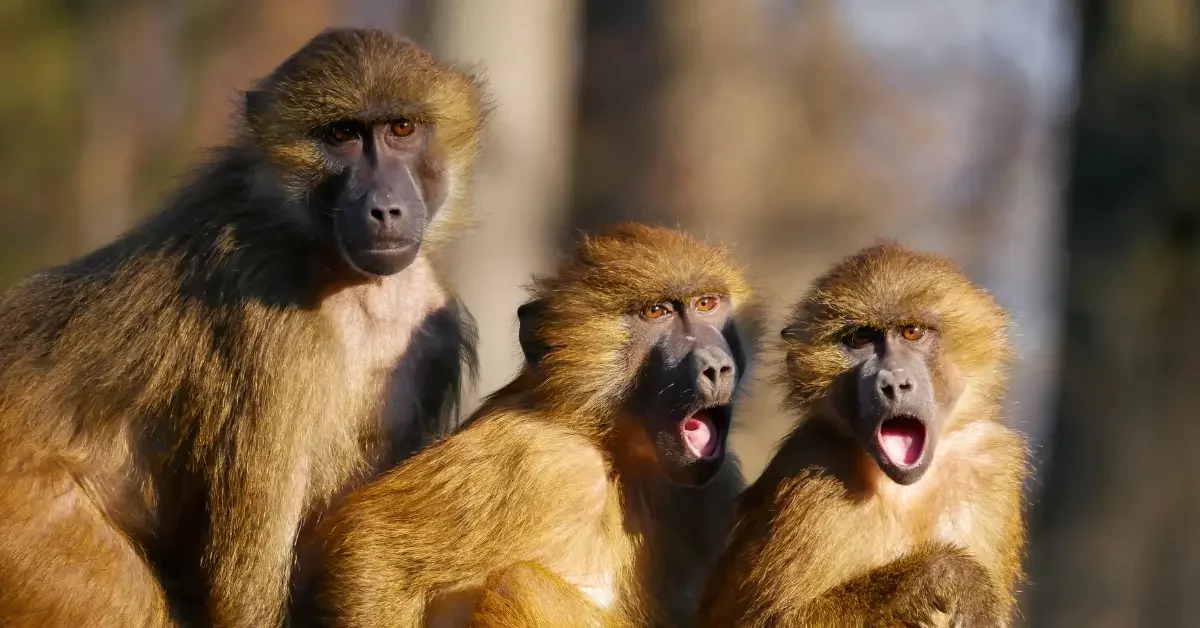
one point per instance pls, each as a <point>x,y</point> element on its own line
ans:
<point>595,479</point>
<point>176,407</point>
<point>897,500</point>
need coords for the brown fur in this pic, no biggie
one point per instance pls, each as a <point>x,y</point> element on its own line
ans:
<point>175,405</point>
<point>545,473</point>
<point>823,537</point>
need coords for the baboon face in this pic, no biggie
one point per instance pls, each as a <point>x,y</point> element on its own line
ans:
<point>636,340</point>
<point>373,137</point>
<point>684,389</point>
<point>890,396</point>
<point>383,190</point>
<point>683,360</point>
<point>892,339</point>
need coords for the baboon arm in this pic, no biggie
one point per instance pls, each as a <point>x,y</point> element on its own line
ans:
<point>526,595</point>
<point>257,476</point>
<point>924,587</point>
<point>255,514</point>
<point>255,451</point>
<point>792,563</point>
<point>885,596</point>
<point>931,584</point>
<point>896,594</point>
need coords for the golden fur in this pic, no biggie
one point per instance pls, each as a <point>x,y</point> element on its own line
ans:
<point>823,538</point>
<point>175,405</point>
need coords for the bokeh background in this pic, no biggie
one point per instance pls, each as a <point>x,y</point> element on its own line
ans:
<point>1051,148</point>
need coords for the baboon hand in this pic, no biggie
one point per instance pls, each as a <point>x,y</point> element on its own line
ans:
<point>963,590</point>
<point>951,590</point>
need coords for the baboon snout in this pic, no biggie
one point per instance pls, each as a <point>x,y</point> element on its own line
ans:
<point>394,213</point>
<point>384,210</point>
<point>895,384</point>
<point>716,373</point>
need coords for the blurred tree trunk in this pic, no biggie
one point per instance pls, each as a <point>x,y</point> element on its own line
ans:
<point>124,45</point>
<point>622,70</point>
<point>528,47</point>
<point>1117,537</point>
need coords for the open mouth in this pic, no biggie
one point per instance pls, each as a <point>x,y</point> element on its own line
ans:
<point>701,433</point>
<point>902,440</point>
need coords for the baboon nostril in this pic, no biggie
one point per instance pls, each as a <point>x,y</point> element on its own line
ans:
<point>394,212</point>
<point>711,374</point>
<point>377,214</point>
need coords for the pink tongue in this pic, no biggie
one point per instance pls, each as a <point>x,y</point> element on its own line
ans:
<point>902,441</point>
<point>698,434</point>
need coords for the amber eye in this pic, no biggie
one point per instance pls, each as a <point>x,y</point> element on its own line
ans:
<point>912,333</point>
<point>343,132</point>
<point>658,310</point>
<point>860,337</point>
<point>707,304</point>
<point>403,127</point>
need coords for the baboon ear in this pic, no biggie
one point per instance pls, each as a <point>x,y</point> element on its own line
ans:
<point>529,317</point>
<point>256,104</point>
<point>791,332</point>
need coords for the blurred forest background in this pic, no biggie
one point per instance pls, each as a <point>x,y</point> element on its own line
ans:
<point>1052,149</point>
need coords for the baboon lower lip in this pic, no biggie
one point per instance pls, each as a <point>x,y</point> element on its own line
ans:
<point>387,250</point>
<point>902,440</point>
<point>386,246</point>
<point>381,261</point>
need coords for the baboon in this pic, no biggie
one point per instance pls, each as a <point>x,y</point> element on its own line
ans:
<point>594,479</point>
<point>897,500</point>
<point>177,407</point>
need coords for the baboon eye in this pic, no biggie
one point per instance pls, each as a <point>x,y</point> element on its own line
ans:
<point>707,304</point>
<point>658,310</point>
<point>860,337</point>
<point>342,132</point>
<point>912,333</point>
<point>403,127</point>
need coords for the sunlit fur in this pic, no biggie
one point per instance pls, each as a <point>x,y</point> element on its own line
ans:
<point>823,537</point>
<point>178,403</point>
<point>538,475</point>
